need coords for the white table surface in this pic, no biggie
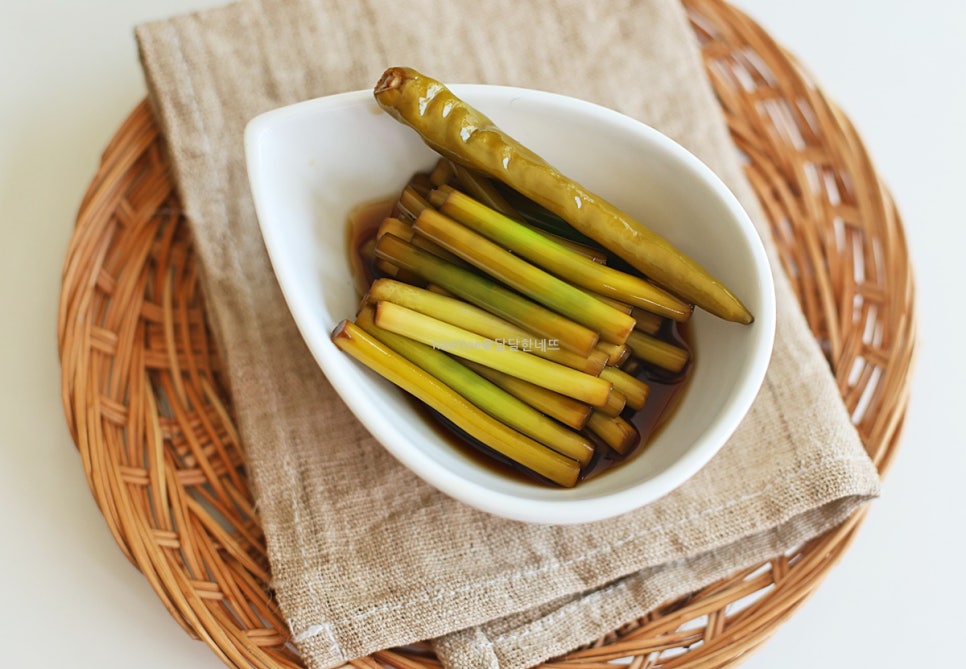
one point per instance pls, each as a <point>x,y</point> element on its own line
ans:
<point>69,76</point>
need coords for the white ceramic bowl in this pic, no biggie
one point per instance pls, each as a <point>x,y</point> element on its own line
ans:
<point>311,163</point>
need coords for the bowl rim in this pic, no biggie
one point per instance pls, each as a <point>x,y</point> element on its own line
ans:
<point>469,491</point>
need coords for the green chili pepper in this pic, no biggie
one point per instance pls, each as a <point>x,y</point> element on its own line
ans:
<point>461,133</point>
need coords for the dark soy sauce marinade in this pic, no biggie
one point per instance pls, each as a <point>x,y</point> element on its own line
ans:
<point>666,388</point>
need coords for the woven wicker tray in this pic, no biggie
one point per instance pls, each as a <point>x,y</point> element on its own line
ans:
<point>153,421</point>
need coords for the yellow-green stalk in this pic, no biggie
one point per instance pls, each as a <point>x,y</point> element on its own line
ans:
<point>614,431</point>
<point>483,393</point>
<point>411,202</point>
<point>657,351</point>
<point>465,344</point>
<point>612,324</point>
<point>634,390</point>
<point>616,353</point>
<point>647,322</point>
<point>475,422</point>
<point>555,258</point>
<point>565,409</point>
<point>489,295</point>
<point>470,317</point>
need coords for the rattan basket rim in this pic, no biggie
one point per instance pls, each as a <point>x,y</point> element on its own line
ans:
<point>152,420</point>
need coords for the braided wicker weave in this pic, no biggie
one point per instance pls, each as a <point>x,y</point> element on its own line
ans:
<point>153,422</point>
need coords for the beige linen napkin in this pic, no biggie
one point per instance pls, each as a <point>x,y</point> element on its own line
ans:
<point>363,554</point>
